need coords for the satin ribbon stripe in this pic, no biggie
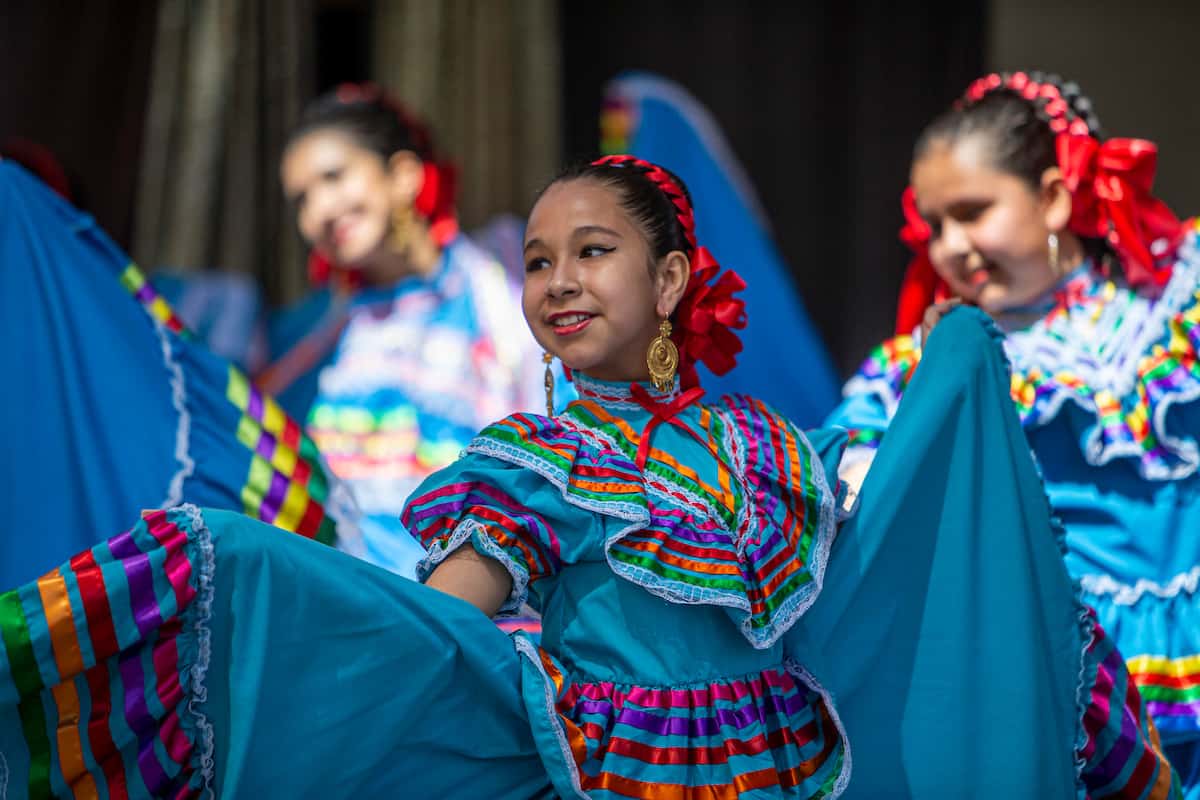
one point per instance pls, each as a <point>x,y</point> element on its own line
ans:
<point>660,463</point>
<point>525,536</point>
<point>734,735</point>
<point>284,486</point>
<point>699,537</point>
<point>1122,751</point>
<point>1171,686</point>
<point>144,292</point>
<point>98,721</point>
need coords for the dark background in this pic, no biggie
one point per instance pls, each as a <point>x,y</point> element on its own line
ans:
<point>820,100</point>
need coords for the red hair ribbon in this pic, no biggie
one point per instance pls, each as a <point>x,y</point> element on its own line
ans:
<point>921,286</point>
<point>708,313</point>
<point>435,202</point>
<point>1110,192</point>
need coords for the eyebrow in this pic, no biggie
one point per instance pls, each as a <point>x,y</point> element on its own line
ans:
<point>581,230</point>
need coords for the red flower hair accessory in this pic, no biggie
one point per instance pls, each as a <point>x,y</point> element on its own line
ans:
<point>708,314</point>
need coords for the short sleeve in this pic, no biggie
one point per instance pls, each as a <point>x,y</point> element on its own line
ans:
<point>505,512</point>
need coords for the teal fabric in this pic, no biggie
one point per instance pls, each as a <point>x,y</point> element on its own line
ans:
<point>948,629</point>
<point>947,632</point>
<point>333,678</point>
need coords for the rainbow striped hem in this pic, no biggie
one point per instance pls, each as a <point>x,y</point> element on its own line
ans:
<point>102,656</point>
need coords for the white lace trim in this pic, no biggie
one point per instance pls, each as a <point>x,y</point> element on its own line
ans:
<point>206,745</point>
<point>183,426</point>
<point>1124,594</point>
<point>1131,325</point>
<point>798,670</point>
<point>1083,691</point>
<point>618,395</point>
<point>466,531</point>
<point>528,650</point>
<point>737,453</point>
<point>683,594</point>
<point>521,458</point>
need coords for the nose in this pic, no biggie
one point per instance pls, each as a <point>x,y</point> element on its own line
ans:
<point>564,280</point>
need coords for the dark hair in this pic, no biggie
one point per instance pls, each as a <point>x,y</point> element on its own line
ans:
<point>366,114</point>
<point>651,210</point>
<point>1020,131</point>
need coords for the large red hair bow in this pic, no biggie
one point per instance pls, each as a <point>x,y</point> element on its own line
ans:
<point>1110,194</point>
<point>921,285</point>
<point>708,313</point>
<point>706,318</point>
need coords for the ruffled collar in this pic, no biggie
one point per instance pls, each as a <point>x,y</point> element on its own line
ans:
<point>619,394</point>
<point>1120,356</point>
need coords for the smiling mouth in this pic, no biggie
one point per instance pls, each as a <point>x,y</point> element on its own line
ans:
<point>342,231</point>
<point>979,276</point>
<point>567,324</point>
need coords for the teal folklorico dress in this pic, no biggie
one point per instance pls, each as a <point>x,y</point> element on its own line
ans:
<point>716,624</point>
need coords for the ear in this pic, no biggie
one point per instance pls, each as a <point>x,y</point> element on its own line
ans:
<point>1055,200</point>
<point>670,281</point>
<point>406,176</point>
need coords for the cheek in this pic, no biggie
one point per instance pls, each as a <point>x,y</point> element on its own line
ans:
<point>309,227</point>
<point>530,294</point>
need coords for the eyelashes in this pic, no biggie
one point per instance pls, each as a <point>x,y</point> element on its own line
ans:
<point>585,252</point>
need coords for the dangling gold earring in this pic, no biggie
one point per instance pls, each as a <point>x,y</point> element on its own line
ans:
<point>547,359</point>
<point>1052,244</point>
<point>663,358</point>
<point>401,233</point>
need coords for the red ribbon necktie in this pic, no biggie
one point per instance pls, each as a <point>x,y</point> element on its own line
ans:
<point>661,412</point>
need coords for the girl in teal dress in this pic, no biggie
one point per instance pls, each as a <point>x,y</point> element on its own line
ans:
<point>721,620</point>
<point>1022,205</point>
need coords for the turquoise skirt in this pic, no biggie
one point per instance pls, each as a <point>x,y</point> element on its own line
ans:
<point>204,651</point>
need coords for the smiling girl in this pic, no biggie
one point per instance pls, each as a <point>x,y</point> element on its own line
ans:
<point>412,344</point>
<point>1019,204</point>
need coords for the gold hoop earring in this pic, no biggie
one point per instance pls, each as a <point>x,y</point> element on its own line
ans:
<point>548,359</point>
<point>662,358</point>
<point>401,233</point>
<point>1052,244</point>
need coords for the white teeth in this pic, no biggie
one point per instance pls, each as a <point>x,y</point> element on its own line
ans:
<point>573,319</point>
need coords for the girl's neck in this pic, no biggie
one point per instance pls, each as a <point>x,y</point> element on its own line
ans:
<point>419,257</point>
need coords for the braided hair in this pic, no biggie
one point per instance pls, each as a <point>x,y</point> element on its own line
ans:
<point>650,195</point>
<point>1020,115</point>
